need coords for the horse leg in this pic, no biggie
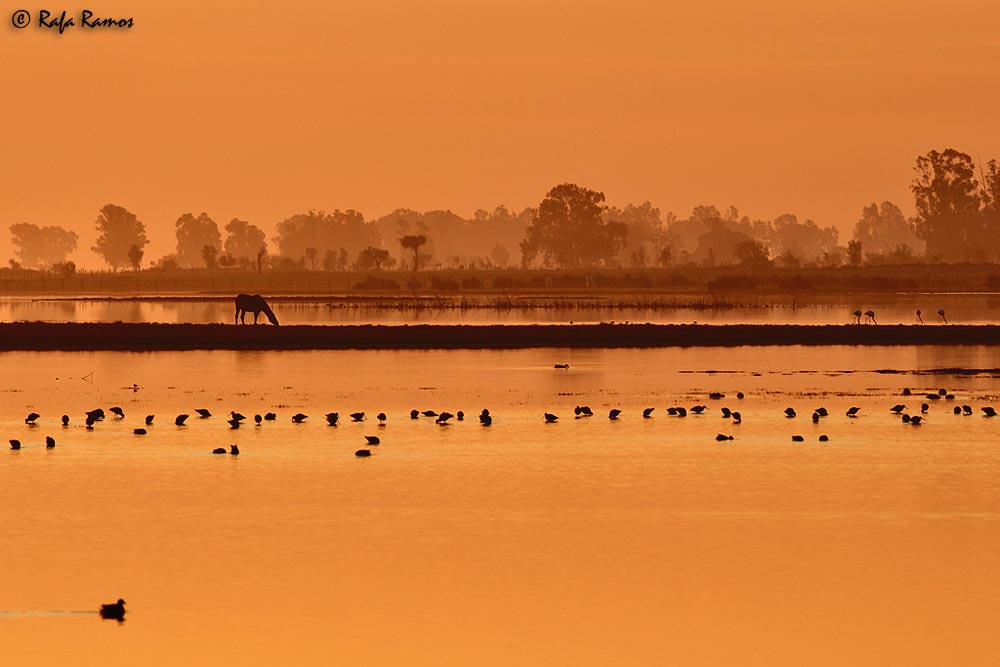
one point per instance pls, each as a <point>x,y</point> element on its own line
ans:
<point>256,314</point>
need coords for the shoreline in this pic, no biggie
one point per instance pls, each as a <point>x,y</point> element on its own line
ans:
<point>43,336</point>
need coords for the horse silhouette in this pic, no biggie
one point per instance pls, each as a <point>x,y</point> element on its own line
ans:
<point>255,304</point>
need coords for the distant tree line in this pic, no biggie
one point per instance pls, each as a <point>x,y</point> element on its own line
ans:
<point>957,202</point>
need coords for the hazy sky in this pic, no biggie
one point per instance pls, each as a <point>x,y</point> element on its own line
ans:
<point>259,110</point>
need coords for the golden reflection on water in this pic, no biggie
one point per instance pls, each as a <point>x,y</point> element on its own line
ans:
<point>640,541</point>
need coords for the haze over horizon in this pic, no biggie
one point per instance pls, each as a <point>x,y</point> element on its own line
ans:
<point>260,112</point>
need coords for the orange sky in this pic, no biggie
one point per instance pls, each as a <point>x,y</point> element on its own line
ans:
<point>262,109</point>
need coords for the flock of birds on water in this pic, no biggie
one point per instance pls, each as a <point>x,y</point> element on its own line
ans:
<point>445,418</point>
<point>870,317</point>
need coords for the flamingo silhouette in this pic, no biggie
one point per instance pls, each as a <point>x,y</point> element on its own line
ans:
<point>870,317</point>
<point>941,317</point>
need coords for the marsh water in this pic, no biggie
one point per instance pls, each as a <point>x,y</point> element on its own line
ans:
<point>963,308</point>
<point>583,542</point>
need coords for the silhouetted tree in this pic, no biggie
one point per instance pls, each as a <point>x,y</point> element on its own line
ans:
<point>883,227</point>
<point>209,255</point>
<point>854,253</point>
<point>948,200</point>
<point>38,246</point>
<point>372,258</point>
<point>325,231</point>
<point>804,240</point>
<point>244,240</point>
<point>135,254</point>
<point>413,242</point>
<point>644,231</point>
<point>310,255</point>
<point>568,230</point>
<point>500,256</point>
<point>752,254</point>
<point>119,230</point>
<point>193,234</point>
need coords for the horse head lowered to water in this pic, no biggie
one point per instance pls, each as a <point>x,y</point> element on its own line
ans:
<point>255,304</point>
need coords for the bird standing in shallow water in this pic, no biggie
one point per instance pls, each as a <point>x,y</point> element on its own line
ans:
<point>298,418</point>
<point>614,414</point>
<point>149,420</point>
<point>203,413</point>
<point>373,439</point>
<point>117,412</point>
<point>550,418</point>
<point>179,421</point>
<point>381,417</point>
<point>647,412</point>
<point>30,419</point>
<point>50,442</point>
<point>357,416</point>
<point>115,611</point>
<point>65,420</point>
<point>15,444</point>
<point>332,418</point>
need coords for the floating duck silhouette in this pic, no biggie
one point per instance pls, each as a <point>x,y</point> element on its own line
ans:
<point>149,419</point>
<point>332,418</point>
<point>373,439</point>
<point>139,431</point>
<point>298,417</point>
<point>583,411</point>
<point>237,416</point>
<point>550,418</point>
<point>270,417</point>
<point>722,436</point>
<point>96,415</point>
<point>429,413</point>
<point>716,395</point>
<point>30,419</point>
<point>916,420</point>
<point>117,412</point>
<point>257,419</point>
<point>853,412</point>
<point>560,365</point>
<point>485,419</point>
<point>114,611</point>
<point>15,444</point>
<point>179,421</point>
<point>957,410</point>
<point>357,416</point>
<point>790,412</point>
<point>906,391</point>
<point>219,450</point>
<point>967,409</point>
<point>443,418</point>
<point>50,442</point>
<point>822,412</point>
<point>798,438</point>
<point>989,412</point>
<point>737,418</point>
<point>614,414</point>
<point>824,438</point>
<point>924,408</point>
<point>726,412</point>
<point>647,413</point>
<point>698,409</point>
<point>234,424</point>
<point>414,414</point>
<point>65,420</point>
<point>203,413</point>
<point>739,395</point>
<point>363,452</point>
<point>460,416</point>
<point>381,417</point>
<point>681,412</point>
<point>815,417</point>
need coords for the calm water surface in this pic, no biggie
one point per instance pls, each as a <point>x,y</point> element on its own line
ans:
<point>585,542</point>
<point>810,309</point>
